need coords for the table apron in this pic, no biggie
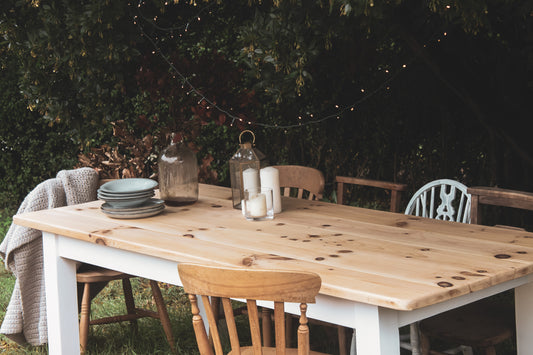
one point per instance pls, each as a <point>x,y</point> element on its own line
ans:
<point>340,311</point>
<point>132,263</point>
<point>408,317</point>
<point>377,327</point>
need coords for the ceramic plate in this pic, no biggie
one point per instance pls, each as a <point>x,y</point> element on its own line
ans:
<point>133,215</point>
<point>127,202</point>
<point>107,196</point>
<point>125,186</point>
<point>153,203</point>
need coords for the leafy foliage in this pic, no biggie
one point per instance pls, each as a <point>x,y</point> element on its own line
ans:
<point>73,59</point>
<point>430,81</point>
<point>30,150</point>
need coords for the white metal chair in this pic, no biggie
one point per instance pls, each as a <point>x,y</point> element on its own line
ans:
<point>454,206</point>
<point>481,324</point>
<point>454,201</point>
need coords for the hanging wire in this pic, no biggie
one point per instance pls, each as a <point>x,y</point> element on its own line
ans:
<point>193,90</point>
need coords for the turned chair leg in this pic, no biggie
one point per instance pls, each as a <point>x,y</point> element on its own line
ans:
<point>85,317</point>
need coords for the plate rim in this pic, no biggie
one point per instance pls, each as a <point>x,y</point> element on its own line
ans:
<point>105,187</point>
<point>135,216</point>
<point>152,203</point>
<point>125,196</point>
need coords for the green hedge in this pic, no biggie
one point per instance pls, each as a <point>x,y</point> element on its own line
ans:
<point>31,150</point>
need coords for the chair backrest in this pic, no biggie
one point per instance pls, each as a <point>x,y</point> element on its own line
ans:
<point>395,189</point>
<point>251,285</point>
<point>309,182</point>
<point>495,196</point>
<point>454,202</point>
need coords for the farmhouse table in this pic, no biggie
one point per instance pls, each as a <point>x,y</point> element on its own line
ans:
<point>380,270</point>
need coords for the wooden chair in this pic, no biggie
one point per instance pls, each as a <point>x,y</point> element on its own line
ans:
<point>394,188</point>
<point>308,182</point>
<point>92,279</point>
<point>498,197</point>
<point>305,182</point>
<point>479,325</point>
<point>251,285</point>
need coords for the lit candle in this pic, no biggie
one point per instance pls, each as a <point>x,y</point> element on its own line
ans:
<point>250,179</point>
<point>257,206</point>
<point>270,178</point>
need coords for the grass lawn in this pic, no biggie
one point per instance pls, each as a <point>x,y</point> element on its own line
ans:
<point>119,338</point>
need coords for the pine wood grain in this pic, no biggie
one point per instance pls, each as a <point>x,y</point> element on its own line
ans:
<point>382,258</point>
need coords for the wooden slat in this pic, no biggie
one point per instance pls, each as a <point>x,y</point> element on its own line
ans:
<point>498,197</point>
<point>388,259</point>
<point>395,188</point>
<point>503,197</point>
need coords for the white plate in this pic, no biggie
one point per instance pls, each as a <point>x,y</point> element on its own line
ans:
<point>148,205</point>
<point>128,186</point>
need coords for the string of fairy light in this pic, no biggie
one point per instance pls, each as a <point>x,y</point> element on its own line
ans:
<point>301,120</point>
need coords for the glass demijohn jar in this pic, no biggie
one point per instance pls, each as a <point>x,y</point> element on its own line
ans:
<point>178,174</point>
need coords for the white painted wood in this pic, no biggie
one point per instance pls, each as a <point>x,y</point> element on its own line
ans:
<point>377,331</point>
<point>132,263</point>
<point>450,193</point>
<point>61,299</point>
<point>405,318</point>
<point>524,312</point>
<point>362,317</point>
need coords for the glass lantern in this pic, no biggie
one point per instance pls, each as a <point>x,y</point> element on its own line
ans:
<point>244,169</point>
<point>178,174</point>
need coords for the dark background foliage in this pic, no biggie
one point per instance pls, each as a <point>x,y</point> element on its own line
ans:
<point>416,90</point>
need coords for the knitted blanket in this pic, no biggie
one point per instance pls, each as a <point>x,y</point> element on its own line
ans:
<point>22,252</point>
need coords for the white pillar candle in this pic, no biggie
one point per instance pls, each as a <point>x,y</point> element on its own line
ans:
<point>270,178</point>
<point>257,206</point>
<point>250,179</point>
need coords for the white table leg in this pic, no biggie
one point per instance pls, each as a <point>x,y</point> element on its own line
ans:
<point>377,331</point>
<point>524,318</point>
<point>61,299</point>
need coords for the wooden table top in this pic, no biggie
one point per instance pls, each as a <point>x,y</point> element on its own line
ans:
<point>381,258</point>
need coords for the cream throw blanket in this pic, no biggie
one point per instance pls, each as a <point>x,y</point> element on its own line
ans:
<point>22,251</point>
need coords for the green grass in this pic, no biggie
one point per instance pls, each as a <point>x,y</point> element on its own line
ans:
<point>120,338</point>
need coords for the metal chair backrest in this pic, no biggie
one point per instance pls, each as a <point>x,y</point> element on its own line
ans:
<point>442,199</point>
<point>252,285</point>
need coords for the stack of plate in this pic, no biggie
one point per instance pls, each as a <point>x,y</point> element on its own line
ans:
<point>130,198</point>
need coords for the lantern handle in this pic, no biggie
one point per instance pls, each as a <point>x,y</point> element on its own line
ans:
<point>246,130</point>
